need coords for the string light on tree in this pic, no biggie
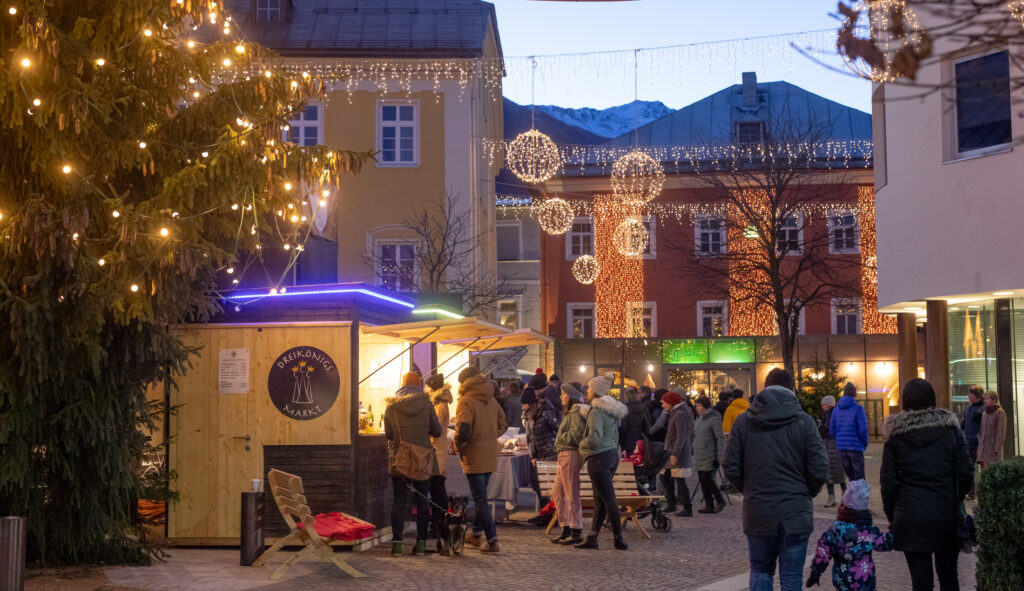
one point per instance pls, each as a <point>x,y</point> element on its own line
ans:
<point>533,157</point>
<point>631,238</point>
<point>893,28</point>
<point>555,216</point>
<point>636,177</point>
<point>585,269</point>
<point>1016,8</point>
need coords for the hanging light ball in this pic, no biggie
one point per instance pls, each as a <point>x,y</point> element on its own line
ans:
<point>585,269</point>
<point>637,178</point>
<point>555,216</point>
<point>880,21</point>
<point>631,237</point>
<point>1016,8</point>
<point>533,157</point>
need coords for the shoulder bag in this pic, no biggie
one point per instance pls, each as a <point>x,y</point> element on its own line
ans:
<point>415,462</point>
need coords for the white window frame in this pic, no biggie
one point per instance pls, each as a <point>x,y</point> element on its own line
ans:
<point>631,306</point>
<point>651,224</point>
<point>378,257</point>
<point>569,256</point>
<point>508,224</point>
<point>800,234</point>
<point>843,302</point>
<point>569,333</point>
<point>265,8</point>
<point>953,138</point>
<point>398,125</point>
<point>518,301</point>
<point>856,232</point>
<point>704,217</point>
<point>700,316</point>
<point>297,121</point>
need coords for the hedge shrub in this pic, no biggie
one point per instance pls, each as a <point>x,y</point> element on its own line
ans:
<point>1000,520</point>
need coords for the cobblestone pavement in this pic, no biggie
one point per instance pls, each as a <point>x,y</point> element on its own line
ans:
<point>704,552</point>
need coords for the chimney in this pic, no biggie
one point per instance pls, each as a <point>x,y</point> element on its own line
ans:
<point>749,89</point>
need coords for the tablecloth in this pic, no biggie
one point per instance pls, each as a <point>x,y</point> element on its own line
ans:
<point>512,473</point>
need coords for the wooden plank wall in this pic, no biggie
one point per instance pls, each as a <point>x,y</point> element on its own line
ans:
<point>373,495</point>
<point>208,448</point>
<point>326,472</point>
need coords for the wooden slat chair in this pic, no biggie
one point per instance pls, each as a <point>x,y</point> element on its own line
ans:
<point>624,482</point>
<point>288,494</point>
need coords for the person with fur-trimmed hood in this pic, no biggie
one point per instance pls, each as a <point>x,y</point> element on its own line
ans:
<point>566,492</point>
<point>409,417</point>
<point>926,472</point>
<point>600,450</point>
<point>479,421</point>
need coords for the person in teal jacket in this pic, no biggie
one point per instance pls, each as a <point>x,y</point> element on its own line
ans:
<point>566,492</point>
<point>600,450</point>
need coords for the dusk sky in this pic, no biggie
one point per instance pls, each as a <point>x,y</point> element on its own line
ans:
<point>676,77</point>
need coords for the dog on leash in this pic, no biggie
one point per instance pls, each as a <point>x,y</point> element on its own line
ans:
<point>452,531</point>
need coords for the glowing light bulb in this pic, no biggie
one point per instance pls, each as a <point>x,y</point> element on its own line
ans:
<point>323,202</point>
<point>234,207</point>
<point>287,186</point>
<point>135,288</point>
<point>37,102</point>
<point>227,62</point>
<point>195,94</point>
<point>284,290</point>
<point>325,193</point>
<point>240,48</point>
<point>148,33</point>
<point>267,73</point>
<point>273,291</point>
<point>75,236</point>
<point>101,62</point>
<point>205,154</point>
<point>142,145</point>
<point>287,246</point>
<point>235,282</point>
<point>102,262</point>
<point>116,213</point>
<point>294,218</point>
<point>303,218</point>
<point>191,44</point>
<point>66,169</point>
<point>12,10</point>
<point>290,206</point>
<point>25,62</point>
<point>295,84</point>
<point>191,80</point>
<point>231,270</point>
<point>164,232</point>
<point>175,214</point>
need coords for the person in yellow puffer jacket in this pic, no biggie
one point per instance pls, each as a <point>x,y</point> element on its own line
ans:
<point>738,406</point>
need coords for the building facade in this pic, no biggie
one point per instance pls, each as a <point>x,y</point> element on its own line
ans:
<point>948,172</point>
<point>421,83</point>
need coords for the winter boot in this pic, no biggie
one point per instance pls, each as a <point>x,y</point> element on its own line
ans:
<point>686,511</point>
<point>420,549</point>
<point>719,506</point>
<point>575,538</point>
<point>708,508</point>
<point>619,543</point>
<point>589,542</point>
<point>566,534</point>
<point>396,548</point>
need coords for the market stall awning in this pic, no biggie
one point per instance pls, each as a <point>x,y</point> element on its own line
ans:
<point>507,339</point>
<point>433,331</point>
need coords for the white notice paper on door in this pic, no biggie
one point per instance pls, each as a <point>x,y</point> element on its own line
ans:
<point>233,371</point>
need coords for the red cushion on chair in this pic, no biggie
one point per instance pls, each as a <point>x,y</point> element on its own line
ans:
<point>338,526</point>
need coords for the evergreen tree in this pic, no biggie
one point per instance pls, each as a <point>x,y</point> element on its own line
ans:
<point>137,165</point>
<point>824,380</point>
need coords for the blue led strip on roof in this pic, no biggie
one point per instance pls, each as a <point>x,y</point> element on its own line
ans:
<point>300,292</point>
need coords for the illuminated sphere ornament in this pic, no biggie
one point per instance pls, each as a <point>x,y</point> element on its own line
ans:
<point>637,178</point>
<point>1016,9</point>
<point>533,157</point>
<point>892,26</point>
<point>631,238</point>
<point>555,216</point>
<point>585,269</point>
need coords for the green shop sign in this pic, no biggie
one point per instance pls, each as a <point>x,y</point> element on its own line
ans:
<point>731,350</point>
<point>684,350</point>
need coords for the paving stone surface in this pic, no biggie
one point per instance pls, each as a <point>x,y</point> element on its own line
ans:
<point>704,552</point>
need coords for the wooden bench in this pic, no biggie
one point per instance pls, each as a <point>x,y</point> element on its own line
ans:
<point>291,502</point>
<point>626,492</point>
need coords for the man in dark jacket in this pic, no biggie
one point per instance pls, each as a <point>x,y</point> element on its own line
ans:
<point>777,460</point>
<point>634,427</point>
<point>724,400</point>
<point>849,427</point>
<point>971,424</point>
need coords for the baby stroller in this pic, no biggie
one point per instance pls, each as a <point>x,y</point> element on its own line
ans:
<point>649,460</point>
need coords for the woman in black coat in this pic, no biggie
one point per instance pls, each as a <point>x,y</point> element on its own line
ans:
<point>926,472</point>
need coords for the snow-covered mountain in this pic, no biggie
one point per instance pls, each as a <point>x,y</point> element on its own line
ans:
<point>610,122</point>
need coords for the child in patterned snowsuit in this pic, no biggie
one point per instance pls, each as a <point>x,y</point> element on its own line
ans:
<point>849,541</point>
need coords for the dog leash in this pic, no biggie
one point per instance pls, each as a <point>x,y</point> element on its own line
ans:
<point>446,510</point>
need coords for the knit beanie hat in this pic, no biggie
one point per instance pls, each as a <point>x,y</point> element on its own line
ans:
<point>529,396</point>
<point>918,394</point>
<point>680,391</point>
<point>857,495</point>
<point>829,400</point>
<point>849,389</point>
<point>554,378</point>
<point>538,381</point>
<point>411,379</point>
<point>672,398</point>
<point>571,391</point>
<point>468,373</point>
<point>435,382</point>
<point>601,385</point>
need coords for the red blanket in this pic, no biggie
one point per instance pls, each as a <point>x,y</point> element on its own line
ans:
<point>338,526</point>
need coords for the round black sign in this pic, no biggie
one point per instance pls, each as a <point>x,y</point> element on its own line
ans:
<point>303,383</point>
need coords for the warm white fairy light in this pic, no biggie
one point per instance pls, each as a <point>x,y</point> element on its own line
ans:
<point>164,232</point>
<point>240,48</point>
<point>230,270</point>
<point>37,102</point>
<point>101,62</point>
<point>585,269</point>
<point>102,262</point>
<point>191,44</point>
<point>134,288</point>
<point>631,237</point>
<point>1016,8</point>
<point>636,177</point>
<point>876,21</point>
<point>12,11</point>
<point>66,169</point>
<point>288,187</point>
<point>227,62</point>
<point>115,213</point>
<point>25,62</point>
<point>142,145</point>
<point>555,216</point>
<point>533,157</point>
<point>148,32</point>
<point>294,218</point>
